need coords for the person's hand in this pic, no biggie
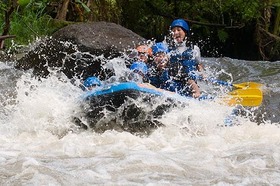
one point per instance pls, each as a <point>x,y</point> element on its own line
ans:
<point>195,89</point>
<point>196,94</point>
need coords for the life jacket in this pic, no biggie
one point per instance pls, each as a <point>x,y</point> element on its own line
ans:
<point>158,78</point>
<point>180,87</point>
<point>186,59</point>
<point>164,81</point>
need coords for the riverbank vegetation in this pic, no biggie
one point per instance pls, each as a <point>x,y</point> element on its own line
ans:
<point>238,29</point>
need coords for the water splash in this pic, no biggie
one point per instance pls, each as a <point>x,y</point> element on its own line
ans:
<point>194,146</point>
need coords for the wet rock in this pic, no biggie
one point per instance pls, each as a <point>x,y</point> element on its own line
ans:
<point>75,49</point>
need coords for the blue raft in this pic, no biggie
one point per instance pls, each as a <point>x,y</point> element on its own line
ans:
<point>127,88</point>
<point>127,106</point>
<point>113,106</point>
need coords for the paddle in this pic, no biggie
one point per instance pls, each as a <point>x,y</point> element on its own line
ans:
<point>247,97</point>
<point>247,85</point>
<point>244,85</point>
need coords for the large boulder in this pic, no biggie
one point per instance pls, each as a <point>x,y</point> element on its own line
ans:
<point>76,49</point>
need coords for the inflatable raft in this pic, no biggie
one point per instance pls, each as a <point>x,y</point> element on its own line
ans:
<point>128,106</point>
<point>136,107</point>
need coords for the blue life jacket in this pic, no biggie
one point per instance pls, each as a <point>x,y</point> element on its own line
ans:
<point>157,79</point>
<point>177,86</point>
<point>164,81</point>
<point>174,78</point>
<point>187,61</point>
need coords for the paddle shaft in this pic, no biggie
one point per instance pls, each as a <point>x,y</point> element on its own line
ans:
<point>240,85</point>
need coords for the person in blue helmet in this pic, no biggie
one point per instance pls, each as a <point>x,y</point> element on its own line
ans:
<point>160,52</point>
<point>184,60</point>
<point>158,72</point>
<point>140,71</point>
<point>189,55</point>
<point>91,82</point>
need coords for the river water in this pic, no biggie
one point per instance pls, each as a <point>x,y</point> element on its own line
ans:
<point>39,144</point>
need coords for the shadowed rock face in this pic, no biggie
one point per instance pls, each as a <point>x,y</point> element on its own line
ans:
<point>100,36</point>
<point>74,49</point>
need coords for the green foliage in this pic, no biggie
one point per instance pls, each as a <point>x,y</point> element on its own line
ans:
<point>276,3</point>
<point>222,35</point>
<point>23,2</point>
<point>28,26</point>
<point>83,5</point>
<point>211,19</point>
<point>147,18</point>
<point>29,22</point>
<point>243,11</point>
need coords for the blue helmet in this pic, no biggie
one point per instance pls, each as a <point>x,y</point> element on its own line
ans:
<point>140,67</point>
<point>180,23</point>
<point>91,81</point>
<point>160,47</point>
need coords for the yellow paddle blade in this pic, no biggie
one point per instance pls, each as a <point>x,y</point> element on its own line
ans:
<point>245,97</point>
<point>246,85</point>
